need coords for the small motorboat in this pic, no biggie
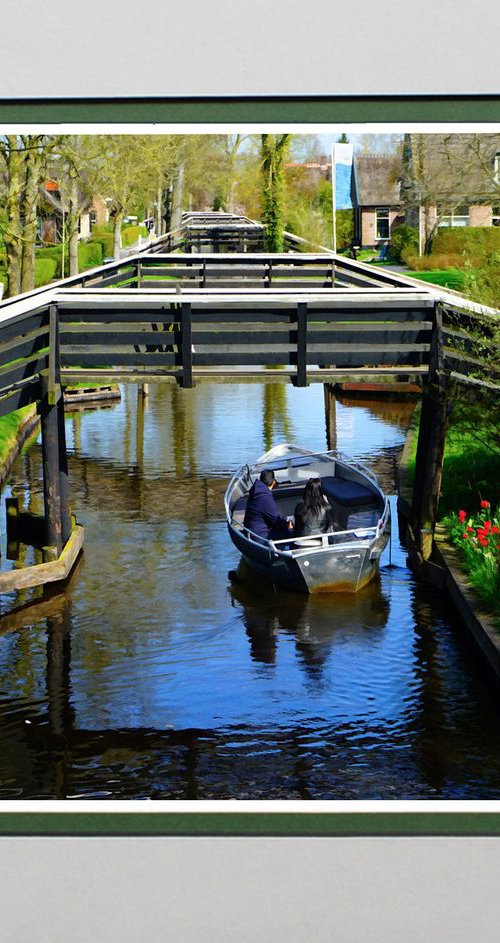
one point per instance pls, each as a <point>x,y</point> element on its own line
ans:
<point>343,560</point>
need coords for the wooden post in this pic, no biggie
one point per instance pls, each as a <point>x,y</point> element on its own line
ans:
<point>186,345</point>
<point>330,415</point>
<point>139,275</point>
<point>51,469</point>
<point>63,473</point>
<point>301,379</point>
<point>435,409</point>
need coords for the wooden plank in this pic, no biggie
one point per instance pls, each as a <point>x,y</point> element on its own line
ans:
<point>22,324</point>
<point>29,393</point>
<point>109,359</point>
<point>119,339</point>
<point>43,573</point>
<point>126,274</point>
<point>23,370</point>
<point>25,345</point>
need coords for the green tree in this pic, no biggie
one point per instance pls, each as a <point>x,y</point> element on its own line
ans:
<point>273,151</point>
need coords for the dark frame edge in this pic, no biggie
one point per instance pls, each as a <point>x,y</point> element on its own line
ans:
<point>250,824</point>
<point>310,109</point>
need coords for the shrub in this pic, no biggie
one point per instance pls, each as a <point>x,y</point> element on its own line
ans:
<point>131,234</point>
<point>103,239</point>
<point>45,271</point>
<point>473,240</point>
<point>435,260</point>
<point>403,239</point>
<point>90,254</point>
<point>51,252</point>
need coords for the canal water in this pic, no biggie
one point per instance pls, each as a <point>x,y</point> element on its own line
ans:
<point>158,674</point>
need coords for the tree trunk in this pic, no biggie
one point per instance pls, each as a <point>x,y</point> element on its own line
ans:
<point>159,222</point>
<point>273,152</point>
<point>117,233</point>
<point>13,231</point>
<point>30,206</point>
<point>177,197</point>
<point>73,220</point>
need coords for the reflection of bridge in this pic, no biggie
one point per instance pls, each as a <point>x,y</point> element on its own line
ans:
<point>56,756</point>
<point>165,316</point>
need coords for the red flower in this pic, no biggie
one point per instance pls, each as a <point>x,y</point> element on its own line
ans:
<point>465,536</point>
<point>485,504</point>
<point>483,542</point>
<point>487,526</point>
<point>470,530</point>
<point>495,530</point>
<point>461,516</point>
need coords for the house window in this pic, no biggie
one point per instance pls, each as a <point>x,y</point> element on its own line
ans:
<point>496,167</point>
<point>92,218</point>
<point>458,216</point>
<point>382,217</point>
<point>495,215</point>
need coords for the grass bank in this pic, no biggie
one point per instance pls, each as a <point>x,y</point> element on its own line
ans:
<point>471,476</point>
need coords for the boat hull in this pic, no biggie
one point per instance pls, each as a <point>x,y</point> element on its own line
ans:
<point>333,570</point>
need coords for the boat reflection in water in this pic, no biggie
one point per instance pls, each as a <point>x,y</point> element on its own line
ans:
<point>318,622</point>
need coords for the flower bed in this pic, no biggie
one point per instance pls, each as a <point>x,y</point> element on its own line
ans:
<point>477,535</point>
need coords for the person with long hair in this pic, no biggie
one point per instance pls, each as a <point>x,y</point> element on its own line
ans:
<point>314,514</point>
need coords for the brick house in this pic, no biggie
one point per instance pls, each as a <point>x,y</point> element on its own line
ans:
<point>376,199</point>
<point>51,215</point>
<point>437,181</point>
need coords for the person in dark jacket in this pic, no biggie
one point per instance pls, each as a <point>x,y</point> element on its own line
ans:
<point>262,516</point>
<point>314,514</point>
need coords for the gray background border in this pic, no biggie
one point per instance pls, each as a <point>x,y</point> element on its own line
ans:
<point>229,889</point>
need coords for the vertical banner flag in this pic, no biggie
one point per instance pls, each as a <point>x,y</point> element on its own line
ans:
<point>342,155</point>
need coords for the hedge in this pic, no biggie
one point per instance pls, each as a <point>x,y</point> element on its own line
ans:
<point>45,271</point>
<point>131,234</point>
<point>468,239</point>
<point>104,239</point>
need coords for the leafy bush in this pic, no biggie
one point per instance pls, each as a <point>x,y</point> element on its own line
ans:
<point>482,282</point>
<point>473,240</point>
<point>403,239</point>
<point>103,238</point>
<point>435,260</point>
<point>45,271</point>
<point>89,255</point>
<point>131,234</point>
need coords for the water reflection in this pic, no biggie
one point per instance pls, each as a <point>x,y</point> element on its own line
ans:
<point>152,676</point>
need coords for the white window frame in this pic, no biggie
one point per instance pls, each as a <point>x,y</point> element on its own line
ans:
<point>387,210</point>
<point>454,219</point>
<point>496,167</point>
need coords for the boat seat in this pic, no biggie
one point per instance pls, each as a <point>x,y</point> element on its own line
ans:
<point>347,493</point>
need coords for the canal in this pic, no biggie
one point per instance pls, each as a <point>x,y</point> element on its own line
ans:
<point>157,674</point>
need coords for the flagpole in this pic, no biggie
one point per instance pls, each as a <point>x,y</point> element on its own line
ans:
<point>334,206</point>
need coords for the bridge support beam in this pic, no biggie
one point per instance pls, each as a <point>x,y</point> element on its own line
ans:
<point>434,417</point>
<point>330,415</point>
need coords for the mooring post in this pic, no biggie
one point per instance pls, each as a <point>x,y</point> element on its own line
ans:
<point>66,525</point>
<point>186,346</point>
<point>330,415</point>
<point>54,455</point>
<point>434,415</point>
<point>301,378</point>
<point>50,459</point>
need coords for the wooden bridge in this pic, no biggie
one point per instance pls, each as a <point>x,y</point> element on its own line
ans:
<point>174,316</point>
